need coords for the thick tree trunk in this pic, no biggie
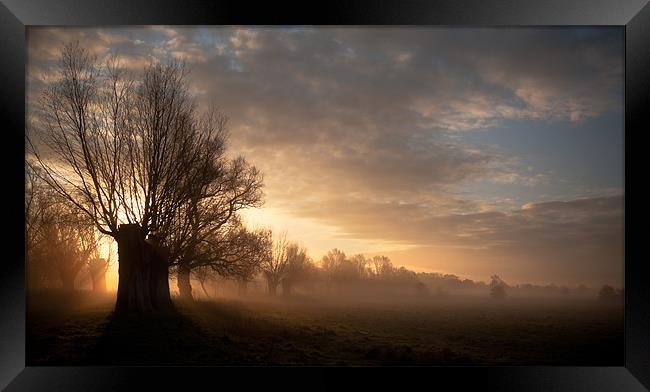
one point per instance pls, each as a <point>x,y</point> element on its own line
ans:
<point>143,273</point>
<point>183,281</point>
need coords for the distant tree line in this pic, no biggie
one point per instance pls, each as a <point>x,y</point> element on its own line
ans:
<point>287,267</point>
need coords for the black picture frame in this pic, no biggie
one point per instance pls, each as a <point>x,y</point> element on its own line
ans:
<point>15,15</point>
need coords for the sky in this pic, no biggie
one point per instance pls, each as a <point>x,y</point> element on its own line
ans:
<point>470,151</point>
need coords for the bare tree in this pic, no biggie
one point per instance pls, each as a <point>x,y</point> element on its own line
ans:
<point>246,272</point>
<point>38,202</point>
<point>245,276</point>
<point>298,267</point>
<point>203,275</point>
<point>129,153</point>
<point>331,264</point>
<point>607,293</point>
<point>497,287</point>
<point>359,262</point>
<point>230,251</point>
<point>382,266</point>
<point>338,268</point>
<point>98,267</point>
<point>36,206</point>
<point>209,221</point>
<point>274,266</point>
<point>64,244</point>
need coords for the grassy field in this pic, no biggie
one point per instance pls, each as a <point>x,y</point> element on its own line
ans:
<point>77,329</point>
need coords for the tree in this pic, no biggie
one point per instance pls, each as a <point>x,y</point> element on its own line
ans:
<point>497,287</point>
<point>128,153</point>
<point>360,263</point>
<point>275,263</point>
<point>404,275</point>
<point>203,275</point>
<point>98,267</point>
<point>209,221</point>
<point>38,215</point>
<point>299,266</point>
<point>245,275</point>
<point>37,203</point>
<point>59,240</point>
<point>232,251</point>
<point>331,264</point>
<point>382,266</point>
<point>608,294</point>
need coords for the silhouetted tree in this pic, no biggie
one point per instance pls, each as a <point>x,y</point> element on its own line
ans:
<point>275,264</point>
<point>210,221</point>
<point>608,294</point>
<point>247,273</point>
<point>360,264</point>
<point>299,266</point>
<point>405,275</point>
<point>247,270</point>
<point>98,267</point>
<point>382,266</point>
<point>130,153</point>
<point>38,217</point>
<point>59,240</point>
<point>332,265</point>
<point>203,275</point>
<point>497,287</point>
<point>37,202</point>
<point>233,251</point>
<point>332,260</point>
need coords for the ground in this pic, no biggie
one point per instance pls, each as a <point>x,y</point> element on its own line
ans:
<point>79,329</point>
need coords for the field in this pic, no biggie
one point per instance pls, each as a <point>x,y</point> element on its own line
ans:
<point>79,329</point>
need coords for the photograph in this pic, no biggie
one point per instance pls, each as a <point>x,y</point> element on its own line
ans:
<point>325,196</point>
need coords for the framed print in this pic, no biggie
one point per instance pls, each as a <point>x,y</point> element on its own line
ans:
<point>213,190</point>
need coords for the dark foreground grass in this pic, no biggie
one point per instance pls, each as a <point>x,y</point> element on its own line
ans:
<point>77,329</point>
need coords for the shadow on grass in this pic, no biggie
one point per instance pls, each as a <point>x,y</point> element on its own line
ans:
<point>162,338</point>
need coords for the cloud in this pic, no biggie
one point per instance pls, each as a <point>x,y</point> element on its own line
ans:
<point>364,128</point>
<point>576,223</point>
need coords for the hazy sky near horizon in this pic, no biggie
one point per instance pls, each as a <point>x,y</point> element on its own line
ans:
<point>466,151</point>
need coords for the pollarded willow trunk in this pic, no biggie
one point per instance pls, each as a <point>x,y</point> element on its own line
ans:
<point>143,273</point>
<point>183,281</point>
